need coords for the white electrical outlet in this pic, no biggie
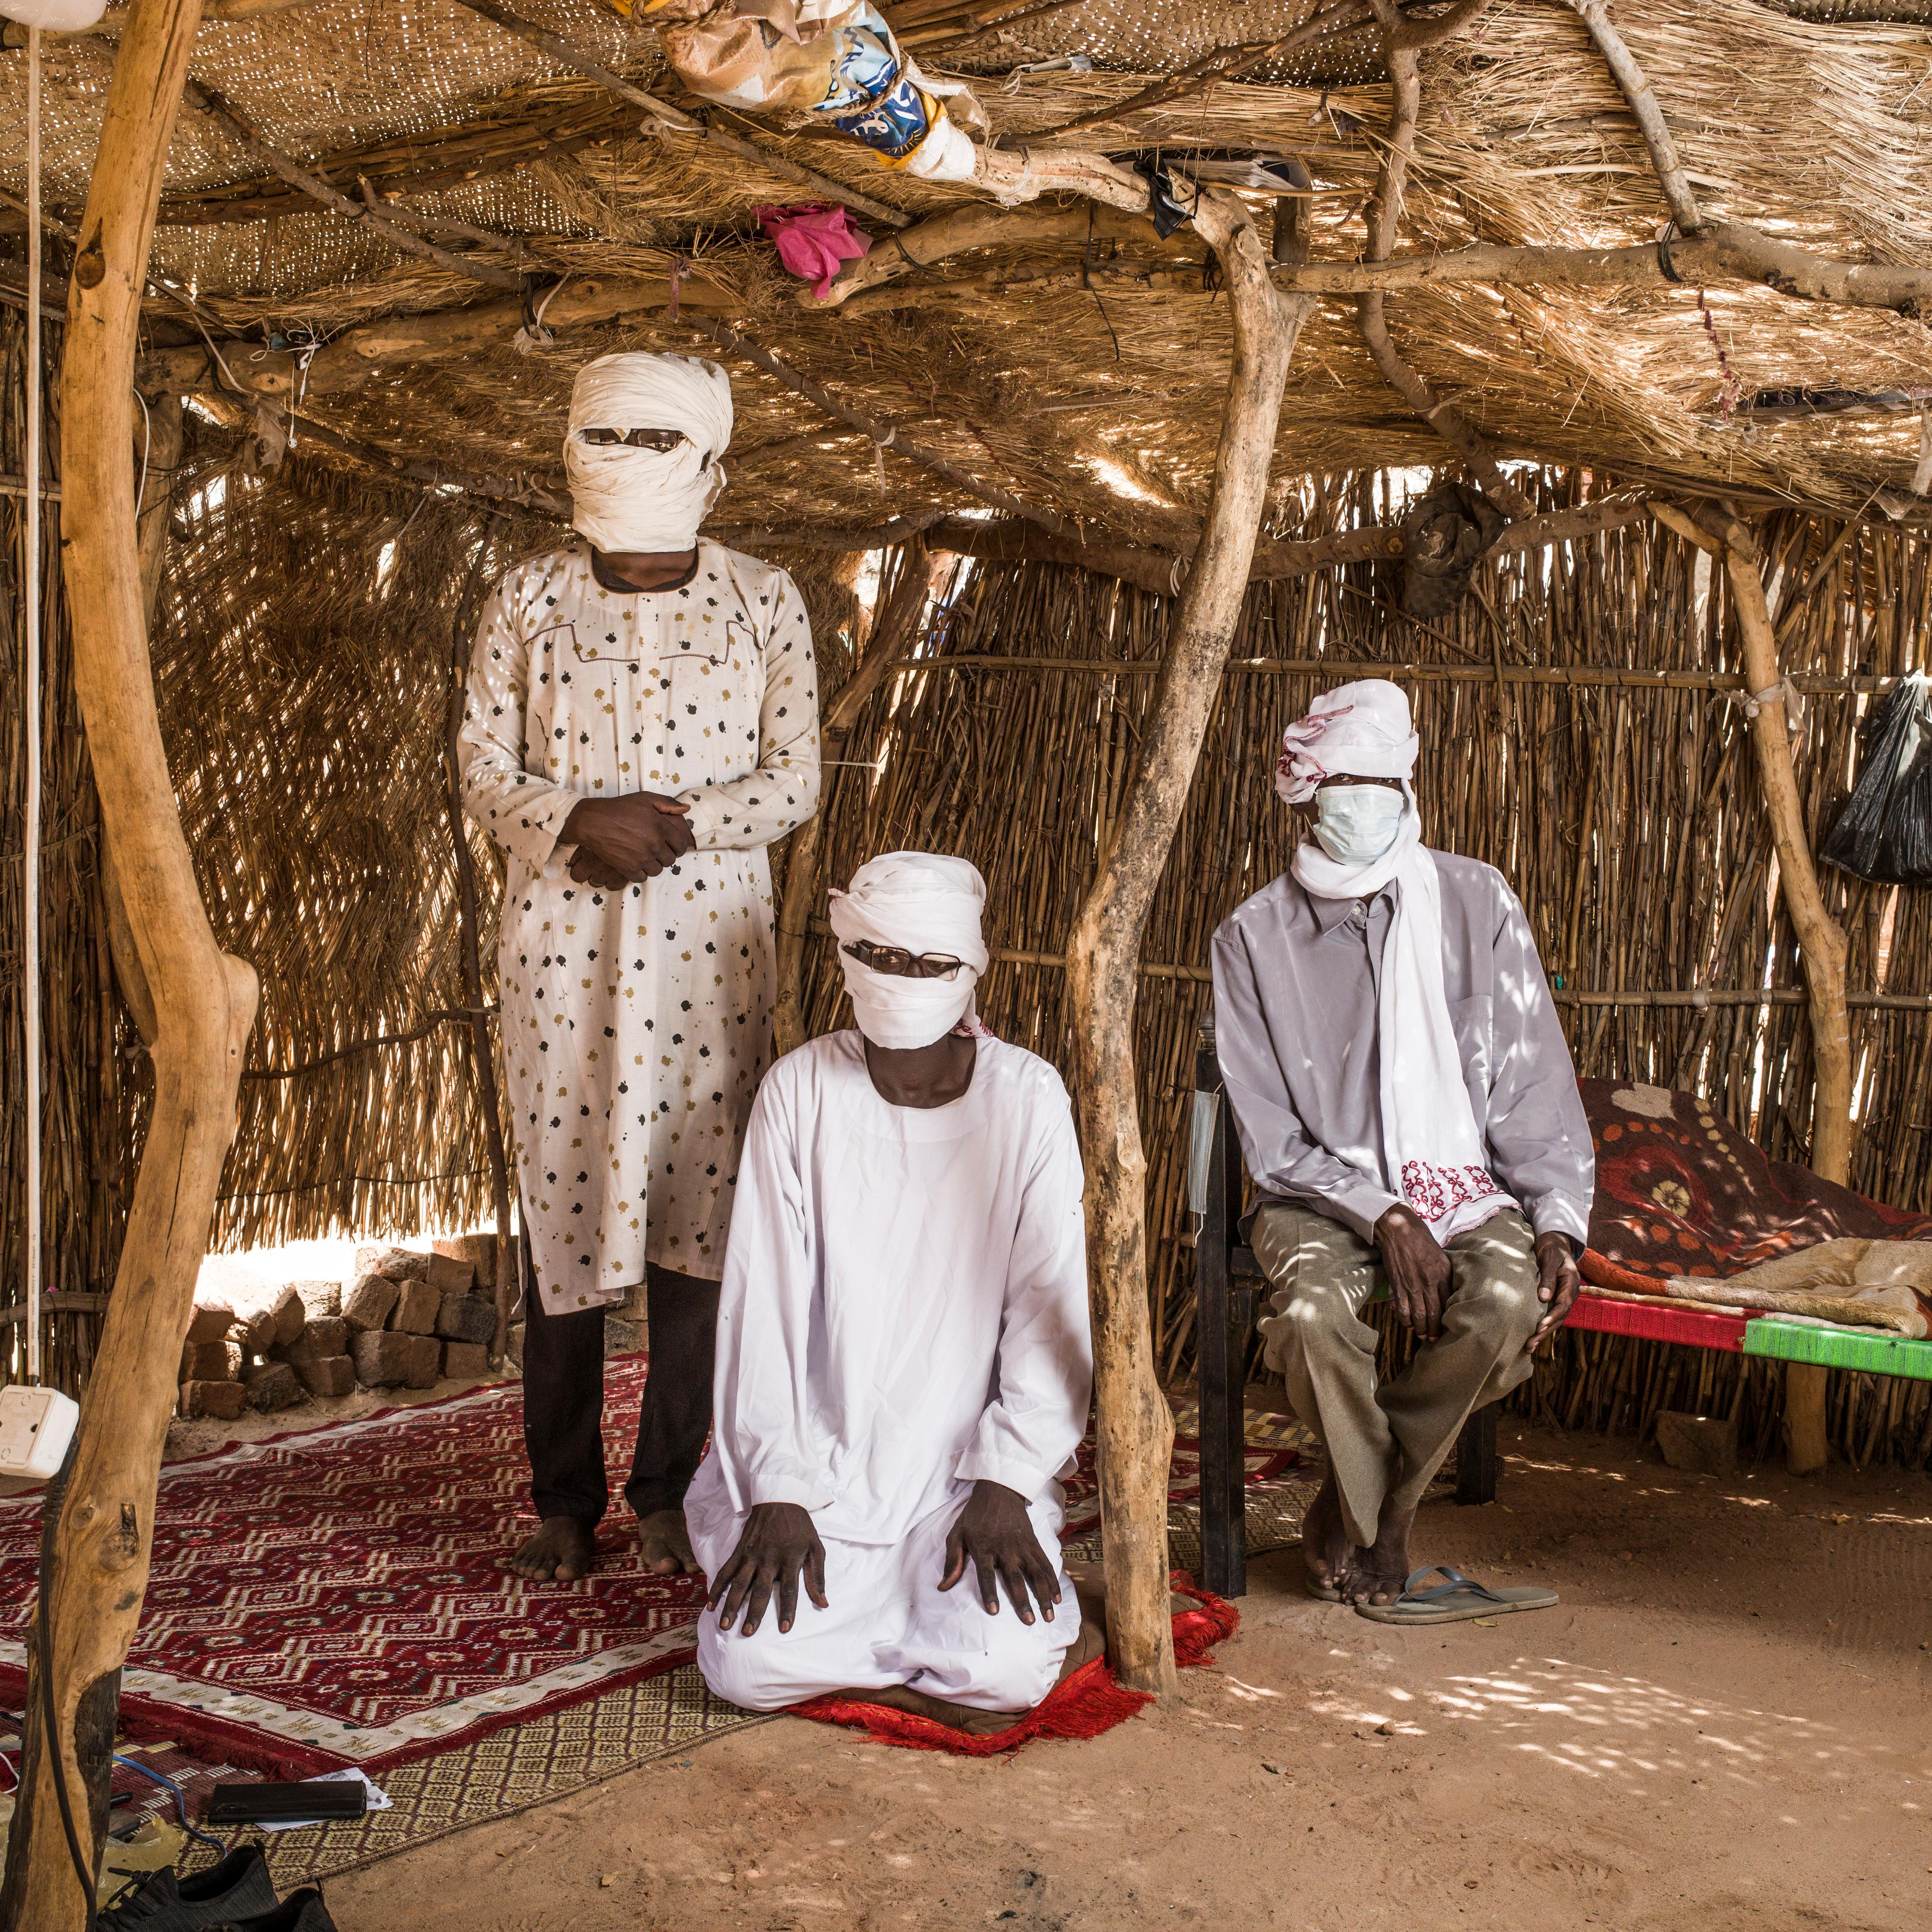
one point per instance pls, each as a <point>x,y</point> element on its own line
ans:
<point>36,1426</point>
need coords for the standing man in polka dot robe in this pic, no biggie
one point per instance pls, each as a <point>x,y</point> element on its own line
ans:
<point>642,722</point>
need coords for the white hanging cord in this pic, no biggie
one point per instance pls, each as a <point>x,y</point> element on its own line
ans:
<point>30,969</point>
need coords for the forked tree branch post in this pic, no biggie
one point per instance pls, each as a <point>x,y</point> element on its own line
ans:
<point>1821,941</point>
<point>1135,1429</point>
<point>204,1001</point>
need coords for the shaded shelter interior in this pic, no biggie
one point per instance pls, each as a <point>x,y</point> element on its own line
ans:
<point>313,604</point>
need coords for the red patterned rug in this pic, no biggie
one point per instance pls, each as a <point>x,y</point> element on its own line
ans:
<point>1680,1192</point>
<point>337,1597</point>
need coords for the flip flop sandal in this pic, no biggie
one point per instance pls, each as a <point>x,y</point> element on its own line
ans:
<point>1322,1593</point>
<point>1456,1601</point>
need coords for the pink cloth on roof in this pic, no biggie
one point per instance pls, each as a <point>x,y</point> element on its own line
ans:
<point>814,240</point>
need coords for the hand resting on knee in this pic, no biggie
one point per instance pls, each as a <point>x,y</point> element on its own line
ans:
<point>1557,1284</point>
<point>995,1533</point>
<point>1418,1270</point>
<point>779,1541</point>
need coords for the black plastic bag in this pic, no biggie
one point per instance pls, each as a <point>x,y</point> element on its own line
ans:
<point>1884,830</point>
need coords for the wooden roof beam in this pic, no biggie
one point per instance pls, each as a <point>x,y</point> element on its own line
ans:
<point>376,348</point>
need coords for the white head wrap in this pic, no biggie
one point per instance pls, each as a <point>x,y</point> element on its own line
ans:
<point>926,903</point>
<point>1362,728</point>
<point>647,500</point>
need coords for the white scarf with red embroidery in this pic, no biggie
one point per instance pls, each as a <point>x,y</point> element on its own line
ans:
<point>1435,1150</point>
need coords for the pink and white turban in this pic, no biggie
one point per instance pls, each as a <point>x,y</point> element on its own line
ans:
<point>1361,728</point>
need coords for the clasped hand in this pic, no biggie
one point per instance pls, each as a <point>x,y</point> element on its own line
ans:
<point>1418,1274</point>
<point>621,841</point>
<point>778,1544</point>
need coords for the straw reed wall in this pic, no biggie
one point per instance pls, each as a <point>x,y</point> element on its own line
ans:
<point>87,1175</point>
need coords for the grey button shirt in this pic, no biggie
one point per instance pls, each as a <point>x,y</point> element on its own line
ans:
<point>1296,982</point>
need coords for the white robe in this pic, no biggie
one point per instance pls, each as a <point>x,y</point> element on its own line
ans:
<point>904,1313</point>
<point>636,1023</point>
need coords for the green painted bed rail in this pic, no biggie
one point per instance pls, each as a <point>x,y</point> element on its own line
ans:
<point>1839,1348</point>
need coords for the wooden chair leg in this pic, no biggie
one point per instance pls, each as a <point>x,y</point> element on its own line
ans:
<point>1223,1532</point>
<point>1476,1457</point>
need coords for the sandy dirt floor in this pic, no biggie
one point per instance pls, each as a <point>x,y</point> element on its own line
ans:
<point>1724,1727</point>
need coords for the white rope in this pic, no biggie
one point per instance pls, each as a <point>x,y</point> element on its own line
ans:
<point>30,969</point>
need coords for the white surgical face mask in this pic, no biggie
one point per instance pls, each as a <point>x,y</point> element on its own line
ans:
<point>894,1011</point>
<point>1356,825</point>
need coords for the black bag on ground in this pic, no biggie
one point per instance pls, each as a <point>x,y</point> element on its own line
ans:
<point>1884,830</point>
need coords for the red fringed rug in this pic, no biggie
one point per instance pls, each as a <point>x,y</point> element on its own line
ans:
<point>1086,1704</point>
<point>1680,1192</point>
<point>338,1597</point>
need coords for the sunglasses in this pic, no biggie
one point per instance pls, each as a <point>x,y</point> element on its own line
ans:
<point>908,965</point>
<point>659,439</point>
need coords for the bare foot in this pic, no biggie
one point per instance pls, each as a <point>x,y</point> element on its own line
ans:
<point>664,1544</point>
<point>1324,1538</point>
<point>939,1710</point>
<point>1090,1643</point>
<point>564,1548</point>
<point>1376,1575</point>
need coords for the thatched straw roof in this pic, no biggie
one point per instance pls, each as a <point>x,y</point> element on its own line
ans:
<point>1103,401</point>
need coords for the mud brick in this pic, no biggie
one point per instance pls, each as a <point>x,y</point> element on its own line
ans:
<point>393,1263</point>
<point>425,1363</point>
<point>291,1316</point>
<point>479,1249</point>
<point>211,1362</point>
<point>223,1401</point>
<point>325,1375</point>
<point>319,1299</point>
<point>451,1274</point>
<point>382,1357</point>
<point>1706,1445</point>
<point>467,1318</point>
<point>210,1321</point>
<point>468,1359</point>
<point>417,1306</point>
<point>367,1305</point>
<point>264,1320</point>
<point>273,1385</point>
<point>326,1335</point>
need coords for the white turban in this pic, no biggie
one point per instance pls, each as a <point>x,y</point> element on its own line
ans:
<point>1360,728</point>
<point>924,903</point>
<point>647,500</point>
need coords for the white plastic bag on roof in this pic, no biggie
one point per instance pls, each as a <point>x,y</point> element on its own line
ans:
<point>54,17</point>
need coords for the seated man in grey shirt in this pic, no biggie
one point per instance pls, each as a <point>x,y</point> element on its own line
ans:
<point>1404,1097</point>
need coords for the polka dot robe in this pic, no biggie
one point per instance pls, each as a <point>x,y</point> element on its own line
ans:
<point>636,1025</point>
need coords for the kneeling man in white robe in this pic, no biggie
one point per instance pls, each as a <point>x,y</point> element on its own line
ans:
<point>903,1358</point>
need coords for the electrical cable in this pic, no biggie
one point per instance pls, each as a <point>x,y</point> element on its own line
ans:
<point>148,1771</point>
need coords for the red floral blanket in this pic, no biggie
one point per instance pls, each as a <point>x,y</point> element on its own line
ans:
<point>1680,1192</point>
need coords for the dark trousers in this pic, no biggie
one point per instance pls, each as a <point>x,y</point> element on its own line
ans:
<point>563,1400</point>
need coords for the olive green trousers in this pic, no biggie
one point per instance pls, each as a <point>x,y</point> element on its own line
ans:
<point>1386,1440</point>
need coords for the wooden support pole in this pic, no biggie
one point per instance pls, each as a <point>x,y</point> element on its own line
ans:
<point>1821,941</point>
<point>1136,1429</point>
<point>896,631</point>
<point>204,1001</point>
